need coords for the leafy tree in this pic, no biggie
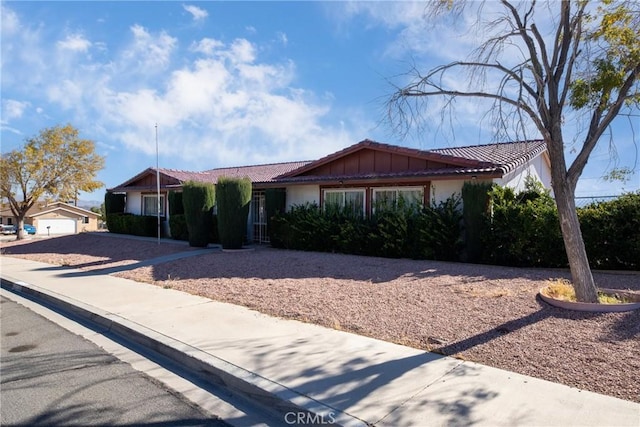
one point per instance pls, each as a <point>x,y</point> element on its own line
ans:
<point>98,210</point>
<point>554,68</point>
<point>55,164</point>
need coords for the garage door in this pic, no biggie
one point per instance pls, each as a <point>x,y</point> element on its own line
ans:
<point>56,226</point>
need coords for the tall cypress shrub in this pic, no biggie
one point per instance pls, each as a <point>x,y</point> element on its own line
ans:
<point>233,198</point>
<point>275,203</point>
<point>175,203</point>
<point>475,203</point>
<point>198,199</point>
<point>177,221</point>
<point>114,205</point>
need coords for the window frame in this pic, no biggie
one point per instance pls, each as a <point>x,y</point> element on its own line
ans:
<point>155,197</point>
<point>397,190</point>
<point>361,190</point>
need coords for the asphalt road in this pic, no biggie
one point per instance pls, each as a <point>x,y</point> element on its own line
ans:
<point>50,376</point>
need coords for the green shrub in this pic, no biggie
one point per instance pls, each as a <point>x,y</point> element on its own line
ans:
<point>175,203</point>
<point>523,229</point>
<point>233,198</point>
<point>275,203</point>
<point>198,199</point>
<point>114,203</point>
<point>475,204</point>
<point>394,231</point>
<point>436,231</point>
<point>611,232</point>
<point>178,227</point>
<point>137,225</point>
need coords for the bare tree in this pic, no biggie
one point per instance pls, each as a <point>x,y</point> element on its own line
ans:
<point>586,65</point>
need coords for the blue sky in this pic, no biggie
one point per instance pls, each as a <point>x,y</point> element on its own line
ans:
<point>235,83</point>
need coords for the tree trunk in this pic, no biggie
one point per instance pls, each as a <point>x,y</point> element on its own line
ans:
<point>20,228</point>
<point>574,245</point>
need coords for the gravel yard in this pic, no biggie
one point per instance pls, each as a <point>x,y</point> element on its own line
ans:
<point>487,314</point>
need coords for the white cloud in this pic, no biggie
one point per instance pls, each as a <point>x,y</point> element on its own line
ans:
<point>10,21</point>
<point>149,53</point>
<point>282,37</point>
<point>75,42</point>
<point>206,46</point>
<point>224,107</point>
<point>222,110</point>
<point>197,13</point>
<point>12,109</point>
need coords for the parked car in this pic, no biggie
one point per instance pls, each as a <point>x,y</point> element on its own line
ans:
<point>8,229</point>
<point>29,229</point>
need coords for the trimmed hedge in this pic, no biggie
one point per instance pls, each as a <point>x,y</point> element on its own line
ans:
<point>114,203</point>
<point>430,233</point>
<point>137,225</point>
<point>175,203</point>
<point>233,198</point>
<point>523,230</point>
<point>275,203</point>
<point>198,199</point>
<point>519,230</point>
<point>178,227</point>
<point>611,232</point>
<point>475,199</point>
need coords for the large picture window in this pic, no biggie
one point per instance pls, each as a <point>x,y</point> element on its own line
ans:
<point>390,198</point>
<point>150,205</point>
<point>350,200</point>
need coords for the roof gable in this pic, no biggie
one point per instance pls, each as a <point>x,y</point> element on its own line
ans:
<point>43,208</point>
<point>74,210</point>
<point>368,159</point>
<point>168,178</point>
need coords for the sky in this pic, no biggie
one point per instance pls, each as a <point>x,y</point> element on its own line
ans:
<point>221,84</point>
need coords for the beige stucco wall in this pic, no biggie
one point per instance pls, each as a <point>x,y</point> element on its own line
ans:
<point>301,194</point>
<point>134,203</point>
<point>442,190</point>
<point>537,168</point>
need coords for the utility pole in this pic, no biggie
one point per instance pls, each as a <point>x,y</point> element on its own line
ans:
<point>158,182</point>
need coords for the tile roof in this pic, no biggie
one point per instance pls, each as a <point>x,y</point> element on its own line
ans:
<point>505,156</point>
<point>490,159</point>
<point>259,173</point>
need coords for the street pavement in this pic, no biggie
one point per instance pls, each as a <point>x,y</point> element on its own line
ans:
<point>310,375</point>
<point>51,376</point>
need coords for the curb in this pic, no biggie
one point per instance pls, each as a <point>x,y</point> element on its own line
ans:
<point>276,399</point>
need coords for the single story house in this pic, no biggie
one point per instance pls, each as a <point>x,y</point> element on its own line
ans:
<point>54,218</point>
<point>359,175</point>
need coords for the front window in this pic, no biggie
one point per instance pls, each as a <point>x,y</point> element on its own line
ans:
<point>350,201</point>
<point>150,205</point>
<point>391,198</point>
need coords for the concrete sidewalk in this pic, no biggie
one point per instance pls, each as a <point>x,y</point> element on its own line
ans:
<point>306,374</point>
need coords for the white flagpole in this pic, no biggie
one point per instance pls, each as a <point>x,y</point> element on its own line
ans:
<point>158,181</point>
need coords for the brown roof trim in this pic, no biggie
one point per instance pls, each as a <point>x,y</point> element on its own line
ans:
<point>427,174</point>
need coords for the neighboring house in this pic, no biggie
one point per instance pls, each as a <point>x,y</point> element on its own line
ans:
<point>360,176</point>
<point>54,218</point>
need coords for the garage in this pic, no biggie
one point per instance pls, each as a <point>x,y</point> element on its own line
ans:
<point>56,226</point>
